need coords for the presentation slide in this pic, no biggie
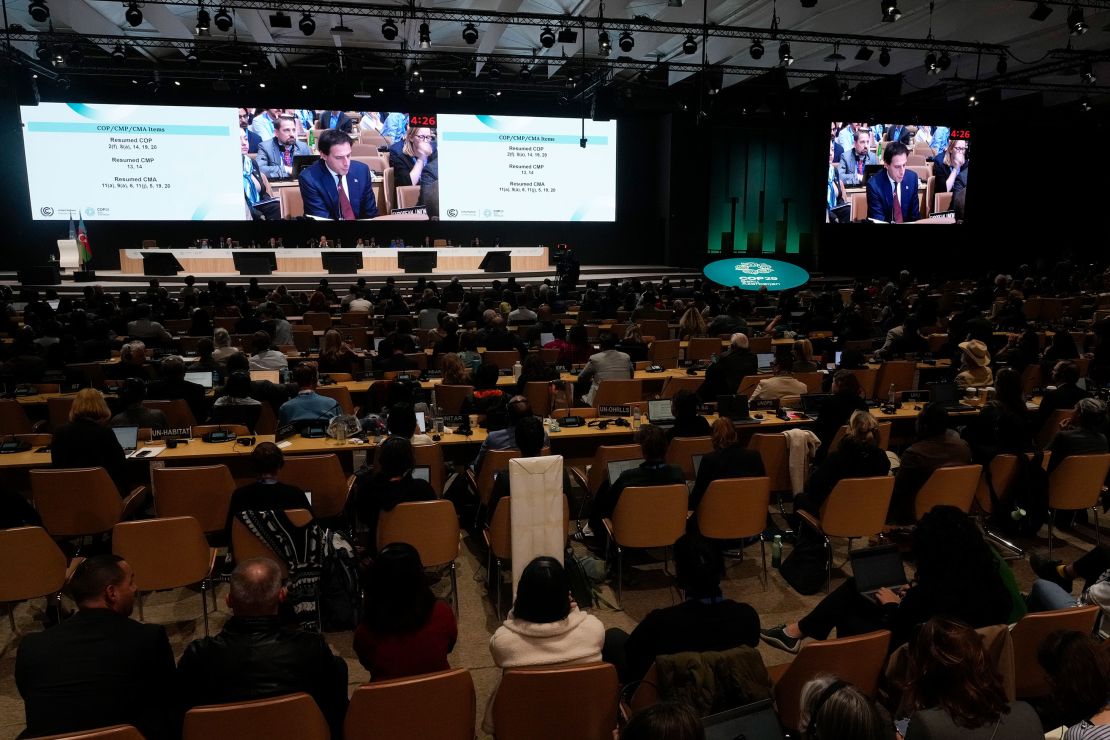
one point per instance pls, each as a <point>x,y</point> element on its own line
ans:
<point>509,168</point>
<point>167,163</point>
<point>132,162</point>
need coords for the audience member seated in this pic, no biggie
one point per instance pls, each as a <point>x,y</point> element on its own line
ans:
<point>723,376</point>
<point>401,422</point>
<point>405,629</point>
<point>236,406</point>
<point>608,364</point>
<point>841,711</point>
<point>399,340</point>
<point>264,356</point>
<point>857,456</point>
<point>265,391</point>
<point>535,370</point>
<point>545,626</point>
<point>1060,347</point>
<point>201,324</point>
<point>803,357</point>
<point>255,656</point>
<point>267,493</point>
<point>99,667</point>
<point>633,344</point>
<point>336,356</point>
<point>487,401</point>
<point>1080,434</point>
<point>1002,425</point>
<point>904,340</point>
<point>205,362</point>
<point>275,324</point>
<point>957,576</point>
<point>144,328</point>
<point>578,341</point>
<point>653,471</point>
<point>782,383</point>
<point>308,405</point>
<point>391,484</point>
<point>134,414</point>
<point>704,621</point>
<point>974,362</point>
<point>468,350</point>
<point>222,339</point>
<point>957,692</point>
<point>728,460</point>
<point>1078,670</point>
<point>846,399</point>
<point>455,371</point>
<point>173,386</point>
<point>132,363</point>
<point>85,442</point>
<point>937,446</point>
<point>691,325</point>
<point>1065,394</point>
<point>667,720</point>
<point>730,322</point>
<point>687,421</point>
<point>504,438</point>
<point>559,342</point>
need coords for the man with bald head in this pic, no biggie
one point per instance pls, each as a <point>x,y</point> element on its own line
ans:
<point>255,656</point>
<point>723,377</point>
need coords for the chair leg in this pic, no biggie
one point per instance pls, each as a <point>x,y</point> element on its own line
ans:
<point>1051,516</point>
<point>828,565</point>
<point>204,585</point>
<point>10,606</point>
<point>496,574</point>
<point>1098,531</point>
<point>620,576</point>
<point>455,590</point>
<point>763,557</point>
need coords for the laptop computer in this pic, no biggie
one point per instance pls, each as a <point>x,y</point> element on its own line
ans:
<point>812,403</point>
<point>300,161</point>
<point>659,411</point>
<point>200,377</point>
<point>869,170</point>
<point>877,567</point>
<point>274,376</point>
<point>735,408</point>
<point>616,467</point>
<point>377,341</point>
<point>128,438</point>
<point>697,463</point>
<point>420,422</point>
<point>947,395</point>
<point>422,472</point>
<point>546,338</point>
<point>755,721</point>
<point>763,361</point>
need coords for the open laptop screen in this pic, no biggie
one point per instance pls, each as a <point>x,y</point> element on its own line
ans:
<point>200,377</point>
<point>616,467</point>
<point>128,437</point>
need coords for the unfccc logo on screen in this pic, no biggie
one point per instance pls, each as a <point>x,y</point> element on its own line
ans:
<point>754,268</point>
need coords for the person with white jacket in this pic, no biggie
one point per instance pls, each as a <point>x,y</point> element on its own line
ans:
<point>545,626</point>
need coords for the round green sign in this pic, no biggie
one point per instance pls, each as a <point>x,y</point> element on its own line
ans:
<point>753,273</point>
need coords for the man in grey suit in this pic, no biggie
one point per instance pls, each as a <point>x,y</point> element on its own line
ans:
<point>275,156</point>
<point>855,159</point>
<point>608,364</point>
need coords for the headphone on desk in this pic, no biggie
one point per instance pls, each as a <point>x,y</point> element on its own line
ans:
<point>603,424</point>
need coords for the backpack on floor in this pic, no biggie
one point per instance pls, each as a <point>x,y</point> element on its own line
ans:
<point>806,567</point>
<point>1027,492</point>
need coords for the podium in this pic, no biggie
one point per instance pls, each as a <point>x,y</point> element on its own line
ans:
<point>69,254</point>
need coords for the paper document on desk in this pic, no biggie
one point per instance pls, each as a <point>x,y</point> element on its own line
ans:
<point>536,492</point>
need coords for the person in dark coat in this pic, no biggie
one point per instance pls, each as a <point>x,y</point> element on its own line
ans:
<point>85,442</point>
<point>728,460</point>
<point>722,378</point>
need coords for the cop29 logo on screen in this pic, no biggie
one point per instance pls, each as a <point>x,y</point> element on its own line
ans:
<point>755,274</point>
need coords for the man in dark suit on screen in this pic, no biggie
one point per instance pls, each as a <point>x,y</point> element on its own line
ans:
<point>99,667</point>
<point>881,204</point>
<point>337,188</point>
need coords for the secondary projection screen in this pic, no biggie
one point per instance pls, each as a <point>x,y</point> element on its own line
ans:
<point>170,163</point>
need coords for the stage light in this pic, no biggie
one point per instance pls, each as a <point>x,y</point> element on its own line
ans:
<point>389,29</point>
<point>626,42</point>
<point>425,35</point>
<point>944,62</point>
<point>756,49</point>
<point>547,38</point>
<point>890,10</point>
<point>133,14</point>
<point>1084,105</point>
<point>262,85</point>
<point>192,57</point>
<point>42,52</point>
<point>931,62</point>
<point>1001,66</point>
<point>223,20</point>
<point>204,21</point>
<point>865,53</point>
<point>458,92</point>
<point>689,46</point>
<point>785,58</point>
<point>177,83</point>
<point>304,87</point>
<point>972,101</point>
<point>567,36</point>
<point>470,34</point>
<point>884,57</point>
<point>307,24</point>
<point>836,56</point>
<point>415,71</point>
<point>1087,73</point>
<point>1041,11</point>
<point>119,54</point>
<point>38,10</point>
<point>1077,26</point>
<point>603,43</point>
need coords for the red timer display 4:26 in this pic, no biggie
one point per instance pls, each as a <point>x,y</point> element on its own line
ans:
<point>416,119</point>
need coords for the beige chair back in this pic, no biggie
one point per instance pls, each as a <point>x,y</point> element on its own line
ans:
<point>435,705</point>
<point>504,359</point>
<point>1031,631</point>
<point>202,492</point>
<point>118,732</point>
<point>951,486</point>
<point>341,395</point>
<point>33,564</point>
<point>858,660</point>
<point>1077,481</point>
<point>323,476</point>
<point>57,411</point>
<point>899,373</point>
<point>539,397</point>
<point>867,378</point>
<point>699,349</point>
<point>292,204</point>
<point>431,456</point>
<point>290,716</point>
<point>776,459</point>
<point>546,703</point>
<point>13,418</point>
<point>664,353</point>
<point>681,451</point>
<point>650,516</point>
<point>672,386</point>
<point>74,502</point>
<point>432,527</point>
<point>178,414</point>
<point>1051,427</point>
<point>450,397</point>
<point>500,530</point>
<point>857,507</point>
<point>244,545</point>
<point>657,328</point>
<point>164,553</point>
<point>734,508</point>
<point>813,381</point>
<point>617,392</point>
<point>494,461</point>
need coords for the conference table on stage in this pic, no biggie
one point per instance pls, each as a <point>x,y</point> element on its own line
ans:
<point>382,260</point>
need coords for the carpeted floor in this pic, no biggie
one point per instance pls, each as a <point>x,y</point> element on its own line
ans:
<point>180,612</point>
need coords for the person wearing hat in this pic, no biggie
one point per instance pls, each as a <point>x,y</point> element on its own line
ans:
<point>974,370</point>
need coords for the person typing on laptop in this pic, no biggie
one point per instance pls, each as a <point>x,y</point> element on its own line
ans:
<point>134,414</point>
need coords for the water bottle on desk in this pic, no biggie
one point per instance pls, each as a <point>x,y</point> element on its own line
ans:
<point>637,417</point>
<point>892,396</point>
<point>776,551</point>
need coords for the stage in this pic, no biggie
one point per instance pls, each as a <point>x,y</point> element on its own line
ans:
<point>379,261</point>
